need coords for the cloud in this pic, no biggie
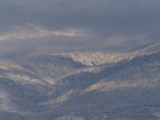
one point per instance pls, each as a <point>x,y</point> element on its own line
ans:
<point>112,16</point>
<point>109,25</point>
<point>32,31</point>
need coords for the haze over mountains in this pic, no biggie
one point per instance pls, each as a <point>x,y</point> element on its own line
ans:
<point>82,86</point>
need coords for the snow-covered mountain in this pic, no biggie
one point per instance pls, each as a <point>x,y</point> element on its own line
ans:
<point>97,58</point>
<point>140,51</point>
<point>89,58</point>
<point>49,67</point>
<point>82,86</point>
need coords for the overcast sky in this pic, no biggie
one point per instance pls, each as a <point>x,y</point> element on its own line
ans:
<point>47,26</point>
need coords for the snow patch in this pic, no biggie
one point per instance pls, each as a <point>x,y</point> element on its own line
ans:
<point>157,114</point>
<point>69,118</point>
<point>89,58</point>
<point>5,103</point>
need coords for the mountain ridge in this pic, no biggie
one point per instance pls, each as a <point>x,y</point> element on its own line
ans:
<point>61,86</point>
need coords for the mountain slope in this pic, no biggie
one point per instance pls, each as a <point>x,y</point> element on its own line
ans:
<point>57,87</point>
<point>24,83</point>
<point>127,90</point>
<point>98,58</point>
<point>49,67</point>
<point>89,58</point>
<point>122,90</point>
<point>140,51</point>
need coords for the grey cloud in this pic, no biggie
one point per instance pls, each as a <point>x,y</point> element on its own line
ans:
<point>103,19</point>
<point>43,45</point>
<point>113,16</point>
<point>116,16</point>
<point>54,44</point>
